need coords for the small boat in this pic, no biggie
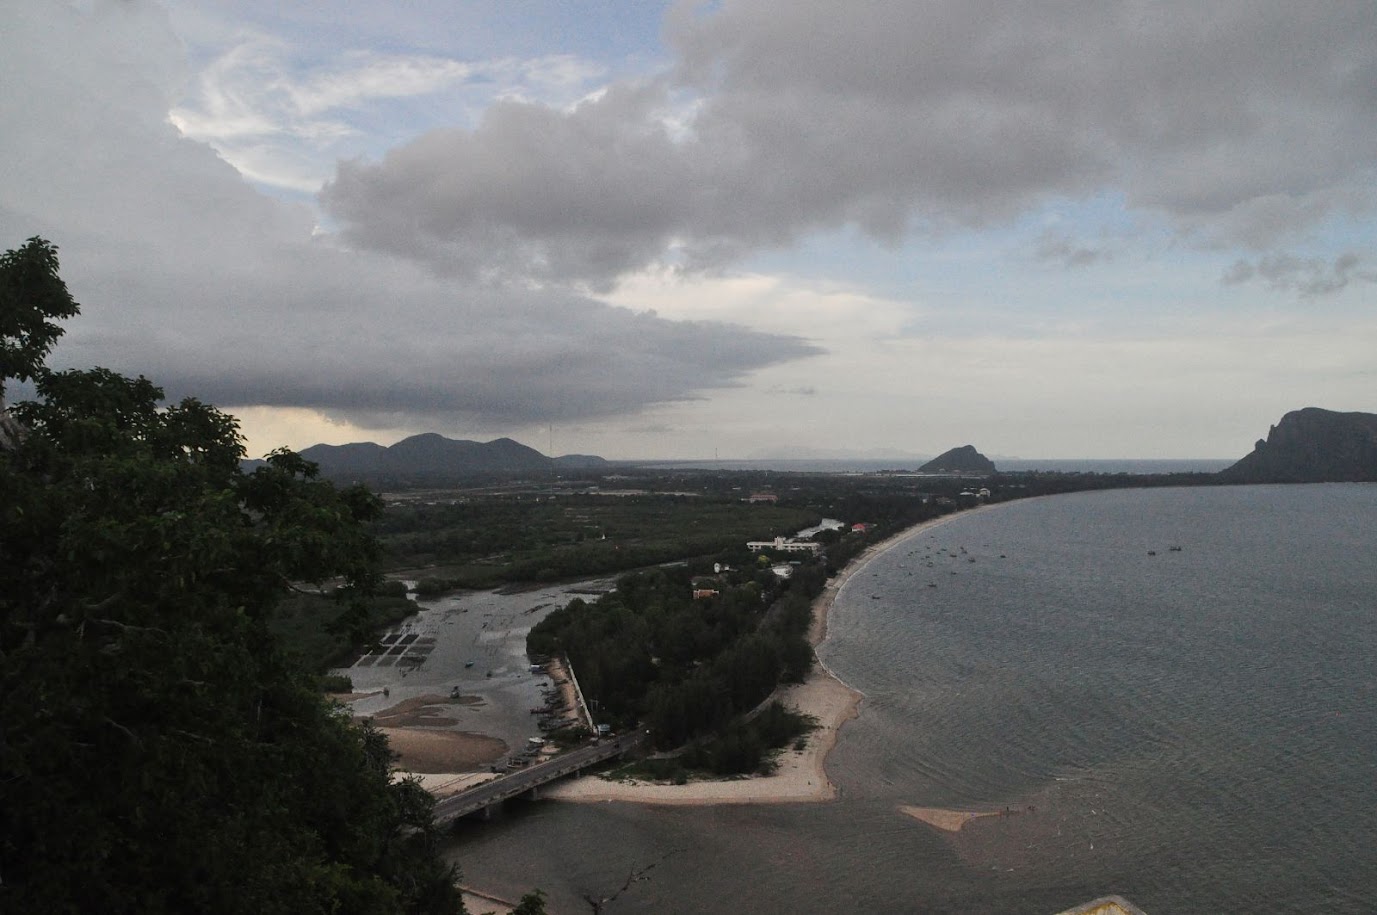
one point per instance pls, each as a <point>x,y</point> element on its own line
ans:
<point>468,663</point>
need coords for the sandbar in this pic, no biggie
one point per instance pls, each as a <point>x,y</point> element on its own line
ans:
<point>432,750</point>
<point>946,820</point>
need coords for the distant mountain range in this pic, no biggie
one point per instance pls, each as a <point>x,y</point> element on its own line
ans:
<point>431,458</point>
<point>1307,446</point>
<point>1312,446</point>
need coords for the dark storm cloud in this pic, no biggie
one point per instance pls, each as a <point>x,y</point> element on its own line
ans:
<point>532,192</point>
<point>1240,123</point>
<point>189,276</point>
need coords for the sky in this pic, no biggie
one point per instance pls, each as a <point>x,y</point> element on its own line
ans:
<point>742,229</point>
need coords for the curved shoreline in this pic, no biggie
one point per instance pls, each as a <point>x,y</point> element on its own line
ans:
<point>801,775</point>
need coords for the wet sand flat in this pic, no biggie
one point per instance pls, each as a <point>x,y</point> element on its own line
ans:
<point>431,750</point>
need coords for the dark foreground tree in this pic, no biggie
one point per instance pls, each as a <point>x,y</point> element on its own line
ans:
<point>158,751</point>
<point>32,297</point>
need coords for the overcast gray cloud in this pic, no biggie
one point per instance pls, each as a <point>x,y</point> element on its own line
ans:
<point>449,285</point>
<point>533,192</point>
<point>1309,276</point>
<point>1237,122</point>
<point>1056,248</point>
<point>188,275</point>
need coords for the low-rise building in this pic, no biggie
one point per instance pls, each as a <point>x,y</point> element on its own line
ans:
<point>781,545</point>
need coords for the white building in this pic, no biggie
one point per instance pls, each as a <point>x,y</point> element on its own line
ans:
<point>780,545</point>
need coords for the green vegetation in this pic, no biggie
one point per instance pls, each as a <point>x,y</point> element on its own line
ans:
<point>696,670</point>
<point>745,746</point>
<point>324,630</point>
<point>487,540</point>
<point>649,654</point>
<point>32,296</point>
<point>162,753</point>
<point>533,903</point>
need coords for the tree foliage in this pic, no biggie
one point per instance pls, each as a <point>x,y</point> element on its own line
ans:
<point>32,297</point>
<point>159,752</point>
<point>689,669</point>
<point>533,903</point>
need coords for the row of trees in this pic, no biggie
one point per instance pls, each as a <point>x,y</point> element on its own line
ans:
<point>159,751</point>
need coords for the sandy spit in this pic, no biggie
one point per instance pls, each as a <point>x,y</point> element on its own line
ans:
<point>801,775</point>
<point>946,820</point>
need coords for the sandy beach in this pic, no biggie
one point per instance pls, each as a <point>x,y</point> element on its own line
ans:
<point>801,775</point>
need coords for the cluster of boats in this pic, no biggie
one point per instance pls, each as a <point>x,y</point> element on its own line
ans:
<point>555,714</point>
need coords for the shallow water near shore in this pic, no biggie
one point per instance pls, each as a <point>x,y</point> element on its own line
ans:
<point>470,644</point>
<point>1192,728</point>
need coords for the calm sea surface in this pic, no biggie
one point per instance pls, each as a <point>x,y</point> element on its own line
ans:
<point>1193,729</point>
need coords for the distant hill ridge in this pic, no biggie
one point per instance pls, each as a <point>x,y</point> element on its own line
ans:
<point>432,458</point>
<point>1312,446</point>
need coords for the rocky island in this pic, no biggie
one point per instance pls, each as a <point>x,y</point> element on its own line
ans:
<point>964,459</point>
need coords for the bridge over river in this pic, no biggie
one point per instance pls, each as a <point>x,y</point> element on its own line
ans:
<point>529,780</point>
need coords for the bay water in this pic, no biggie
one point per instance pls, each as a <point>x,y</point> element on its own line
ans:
<point>1166,694</point>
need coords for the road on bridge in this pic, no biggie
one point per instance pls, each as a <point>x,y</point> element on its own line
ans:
<point>523,780</point>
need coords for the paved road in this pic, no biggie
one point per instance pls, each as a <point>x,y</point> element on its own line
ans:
<point>523,780</point>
